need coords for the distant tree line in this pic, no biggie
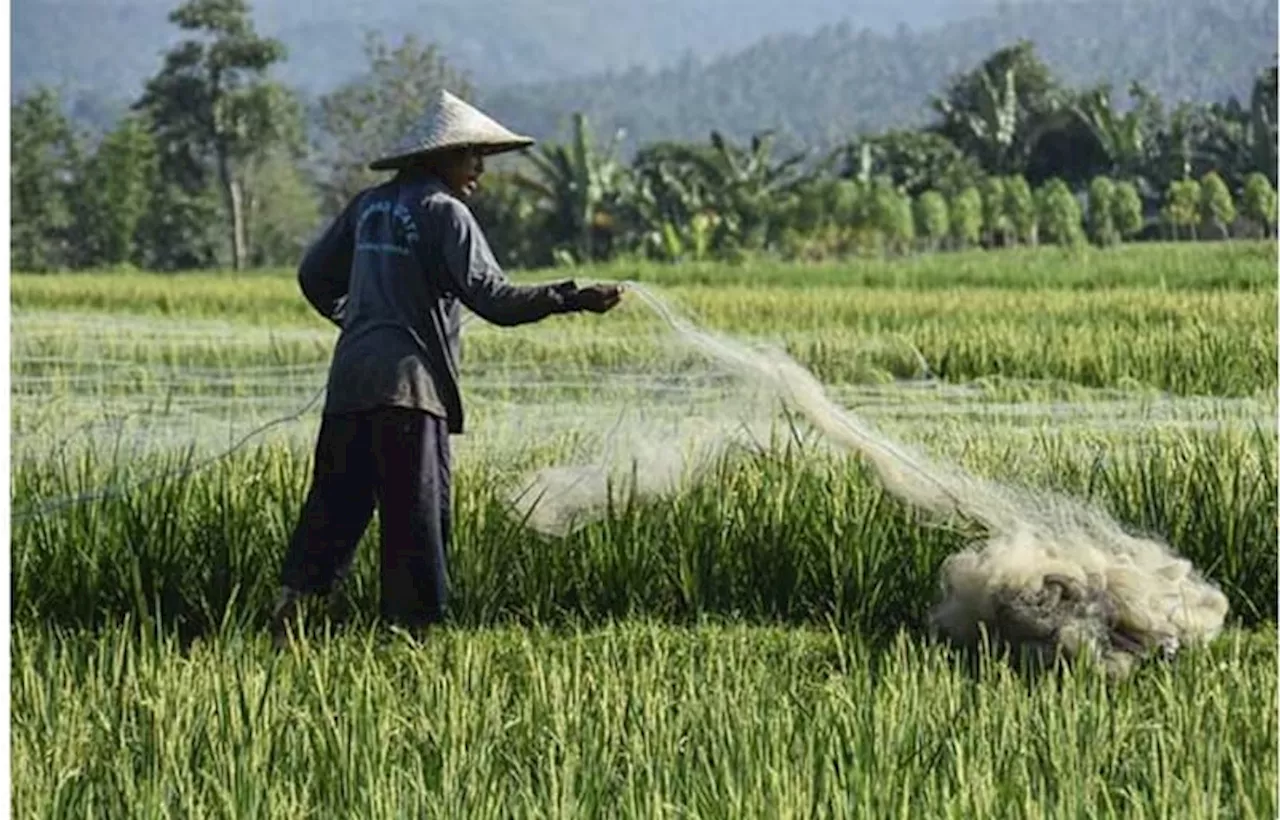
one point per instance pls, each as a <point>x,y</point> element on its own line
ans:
<point>216,165</point>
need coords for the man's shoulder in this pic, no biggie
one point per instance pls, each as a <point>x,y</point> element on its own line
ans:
<point>439,198</point>
<point>439,203</point>
<point>430,202</point>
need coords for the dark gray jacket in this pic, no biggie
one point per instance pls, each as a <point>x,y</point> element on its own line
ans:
<point>393,271</point>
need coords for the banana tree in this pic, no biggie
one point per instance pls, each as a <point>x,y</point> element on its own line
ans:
<point>668,211</point>
<point>999,112</point>
<point>992,127</point>
<point>744,184</point>
<point>1122,137</point>
<point>580,188</point>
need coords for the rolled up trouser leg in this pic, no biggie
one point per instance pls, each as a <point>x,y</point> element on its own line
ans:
<point>338,507</point>
<point>411,448</point>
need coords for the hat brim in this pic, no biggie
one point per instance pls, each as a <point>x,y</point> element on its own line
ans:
<point>398,161</point>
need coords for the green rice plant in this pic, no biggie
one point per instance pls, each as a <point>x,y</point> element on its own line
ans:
<point>632,720</point>
<point>789,535</point>
<point>1187,342</point>
<point>1226,353</point>
<point>749,645</point>
<point>272,296</point>
<point>778,537</point>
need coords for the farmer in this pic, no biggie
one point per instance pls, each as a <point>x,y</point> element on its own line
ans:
<point>393,271</point>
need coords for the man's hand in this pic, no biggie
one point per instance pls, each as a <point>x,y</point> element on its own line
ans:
<point>599,298</point>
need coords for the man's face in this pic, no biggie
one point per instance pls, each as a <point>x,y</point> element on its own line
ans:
<point>462,171</point>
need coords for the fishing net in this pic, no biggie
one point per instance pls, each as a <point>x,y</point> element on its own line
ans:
<point>588,409</point>
<point>1052,575</point>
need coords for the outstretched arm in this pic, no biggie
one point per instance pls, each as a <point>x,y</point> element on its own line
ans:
<point>325,270</point>
<point>479,282</point>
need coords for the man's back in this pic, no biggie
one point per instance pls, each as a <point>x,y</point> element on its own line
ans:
<point>395,270</point>
<point>399,331</point>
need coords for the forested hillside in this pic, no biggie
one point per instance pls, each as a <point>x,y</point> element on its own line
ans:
<point>822,87</point>
<point>101,51</point>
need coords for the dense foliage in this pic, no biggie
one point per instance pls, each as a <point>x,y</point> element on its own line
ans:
<point>215,165</point>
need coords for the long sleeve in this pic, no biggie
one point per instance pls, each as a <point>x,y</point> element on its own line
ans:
<point>478,279</point>
<point>325,270</point>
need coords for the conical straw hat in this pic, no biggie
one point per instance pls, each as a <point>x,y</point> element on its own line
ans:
<point>451,123</point>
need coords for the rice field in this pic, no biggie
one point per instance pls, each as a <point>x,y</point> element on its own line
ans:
<point>749,645</point>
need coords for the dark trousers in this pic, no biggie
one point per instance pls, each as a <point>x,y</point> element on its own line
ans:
<point>399,459</point>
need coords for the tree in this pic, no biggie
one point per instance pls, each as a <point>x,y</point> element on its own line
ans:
<point>212,107</point>
<point>891,215</point>
<point>904,224</point>
<point>1262,120</point>
<point>664,196</point>
<point>1123,138</point>
<point>1178,153</point>
<point>1066,149</point>
<point>822,217</point>
<point>1126,209</point>
<point>966,217</point>
<point>513,221</point>
<point>1059,213</point>
<point>998,112</point>
<point>282,208</point>
<point>1182,206</point>
<point>915,161</point>
<point>743,190</point>
<point>1259,203</point>
<point>822,203</point>
<point>748,182</point>
<point>1020,206</point>
<point>114,196</point>
<point>577,186</point>
<point>1224,142</point>
<point>931,218</point>
<point>43,166</point>
<point>372,114</point>
<point>1216,206</point>
<point>995,222</point>
<point>1101,222</point>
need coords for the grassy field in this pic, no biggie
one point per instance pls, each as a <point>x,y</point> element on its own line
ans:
<point>640,720</point>
<point>751,646</point>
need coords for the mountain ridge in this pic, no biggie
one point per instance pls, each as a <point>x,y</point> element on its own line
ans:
<point>100,46</point>
<point>818,89</point>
